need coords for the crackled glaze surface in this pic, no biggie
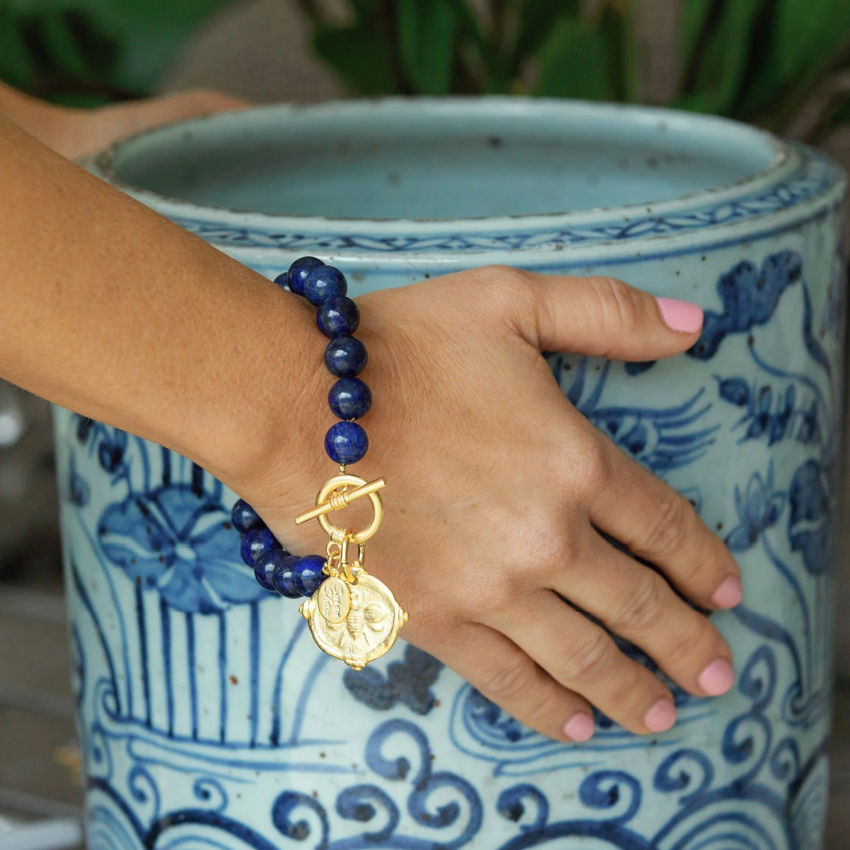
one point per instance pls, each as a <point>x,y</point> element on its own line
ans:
<point>209,720</point>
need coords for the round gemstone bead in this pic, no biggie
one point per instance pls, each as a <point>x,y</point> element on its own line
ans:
<point>346,442</point>
<point>338,317</point>
<point>349,398</point>
<point>244,517</point>
<point>307,574</point>
<point>282,577</point>
<point>256,543</point>
<point>323,283</point>
<point>345,356</point>
<point>298,272</point>
<point>282,280</point>
<point>266,566</point>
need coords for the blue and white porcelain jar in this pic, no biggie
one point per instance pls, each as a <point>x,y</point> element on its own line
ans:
<point>210,720</point>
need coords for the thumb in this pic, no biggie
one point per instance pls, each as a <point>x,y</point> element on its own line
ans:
<point>605,317</point>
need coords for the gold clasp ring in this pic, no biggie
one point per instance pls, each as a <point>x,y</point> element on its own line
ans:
<point>335,495</point>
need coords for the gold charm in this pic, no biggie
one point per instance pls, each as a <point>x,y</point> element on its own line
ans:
<point>332,600</point>
<point>366,631</point>
<point>352,615</point>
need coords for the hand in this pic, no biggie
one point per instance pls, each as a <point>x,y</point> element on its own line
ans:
<point>496,486</point>
<point>76,133</point>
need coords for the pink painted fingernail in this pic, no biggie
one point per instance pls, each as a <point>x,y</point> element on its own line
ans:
<point>717,678</point>
<point>680,315</point>
<point>580,727</point>
<point>661,716</point>
<point>729,594</point>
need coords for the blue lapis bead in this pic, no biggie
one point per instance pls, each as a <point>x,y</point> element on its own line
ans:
<point>282,280</point>
<point>256,543</point>
<point>282,577</point>
<point>307,574</point>
<point>244,517</point>
<point>349,398</point>
<point>298,272</point>
<point>322,284</point>
<point>346,442</point>
<point>338,317</point>
<point>267,564</point>
<point>345,356</point>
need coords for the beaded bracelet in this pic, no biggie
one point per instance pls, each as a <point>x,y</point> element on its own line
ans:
<point>352,615</point>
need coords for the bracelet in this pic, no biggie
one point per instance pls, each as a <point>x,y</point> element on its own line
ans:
<point>352,615</point>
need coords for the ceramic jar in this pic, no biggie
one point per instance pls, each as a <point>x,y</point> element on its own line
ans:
<point>208,717</point>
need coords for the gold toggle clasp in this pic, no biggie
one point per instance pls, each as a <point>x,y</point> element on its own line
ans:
<point>353,616</point>
<point>335,495</point>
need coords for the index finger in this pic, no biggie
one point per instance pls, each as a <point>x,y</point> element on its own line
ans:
<point>661,526</point>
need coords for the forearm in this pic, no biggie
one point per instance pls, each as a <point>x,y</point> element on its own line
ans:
<point>113,311</point>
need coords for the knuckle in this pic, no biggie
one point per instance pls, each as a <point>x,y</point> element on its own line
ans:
<point>673,516</point>
<point>588,467</point>
<point>550,542</point>
<point>618,303</point>
<point>514,296</point>
<point>644,606</point>
<point>593,465</point>
<point>685,650</point>
<point>589,658</point>
<point>501,596</point>
<point>510,682</point>
<point>505,284</point>
<point>541,708</point>
<point>691,575</point>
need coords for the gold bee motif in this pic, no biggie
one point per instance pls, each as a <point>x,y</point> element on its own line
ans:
<point>366,630</point>
<point>352,615</point>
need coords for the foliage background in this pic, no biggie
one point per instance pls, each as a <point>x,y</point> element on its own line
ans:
<point>765,61</point>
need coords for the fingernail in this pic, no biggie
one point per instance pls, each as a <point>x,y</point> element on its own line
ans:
<point>661,716</point>
<point>729,594</point>
<point>717,678</point>
<point>580,727</point>
<point>680,315</point>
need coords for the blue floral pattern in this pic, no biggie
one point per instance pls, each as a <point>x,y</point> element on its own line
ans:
<point>180,542</point>
<point>758,507</point>
<point>810,521</point>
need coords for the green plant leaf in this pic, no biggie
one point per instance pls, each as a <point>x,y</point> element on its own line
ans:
<point>723,40</point>
<point>806,32</point>
<point>574,62</point>
<point>534,21</point>
<point>805,39</point>
<point>16,64</point>
<point>111,49</point>
<point>617,26</point>
<point>360,56</point>
<point>58,41</point>
<point>426,32</point>
<point>149,32</point>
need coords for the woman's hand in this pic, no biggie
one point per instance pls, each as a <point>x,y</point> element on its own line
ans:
<point>76,133</point>
<point>496,486</point>
<point>90,130</point>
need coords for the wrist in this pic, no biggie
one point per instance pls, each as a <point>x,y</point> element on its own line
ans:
<point>270,433</point>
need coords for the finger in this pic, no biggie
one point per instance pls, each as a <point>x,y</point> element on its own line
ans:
<point>506,675</point>
<point>583,658</point>
<point>173,107</point>
<point>660,525</point>
<point>604,316</point>
<point>636,603</point>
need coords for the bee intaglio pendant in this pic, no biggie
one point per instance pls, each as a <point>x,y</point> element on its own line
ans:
<point>353,616</point>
